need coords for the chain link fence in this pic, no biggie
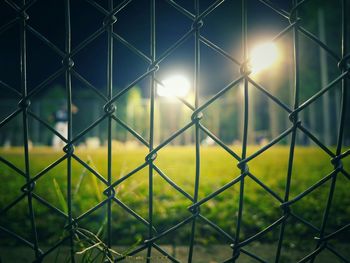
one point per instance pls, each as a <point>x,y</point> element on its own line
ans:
<point>195,123</point>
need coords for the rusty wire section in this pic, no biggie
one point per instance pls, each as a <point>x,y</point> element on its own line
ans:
<point>68,71</point>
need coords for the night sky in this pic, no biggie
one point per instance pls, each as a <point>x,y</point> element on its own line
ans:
<point>222,27</point>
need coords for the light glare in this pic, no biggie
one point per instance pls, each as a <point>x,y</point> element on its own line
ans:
<point>175,86</point>
<point>263,56</point>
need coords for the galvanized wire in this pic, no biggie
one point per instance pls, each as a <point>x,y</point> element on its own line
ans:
<point>68,71</point>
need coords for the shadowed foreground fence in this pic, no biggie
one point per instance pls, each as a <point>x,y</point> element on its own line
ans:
<point>195,124</point>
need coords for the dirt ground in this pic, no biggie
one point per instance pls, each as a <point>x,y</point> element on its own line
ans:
<point>210,254</point>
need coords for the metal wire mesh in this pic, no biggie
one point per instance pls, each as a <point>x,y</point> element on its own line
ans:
<point>69,72</point>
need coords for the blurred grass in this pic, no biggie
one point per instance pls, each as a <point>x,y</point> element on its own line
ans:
<point>170,207</point>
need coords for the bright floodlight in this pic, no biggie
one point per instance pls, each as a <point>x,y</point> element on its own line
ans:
<point>263,56</point>
<point>175,86</point>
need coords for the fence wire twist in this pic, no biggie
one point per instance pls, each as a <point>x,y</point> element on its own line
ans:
<point>68,71</point>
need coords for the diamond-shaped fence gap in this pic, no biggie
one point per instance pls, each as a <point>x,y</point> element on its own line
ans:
<point>49,224</point>
<point>36,72</point>
<point>269,168</point>
<point>206,234</point>
<point>314,213</point>
<point>8,15</point>
<point>130,232</point>
<point>204,5</point>
<point>268,117</point>
<point>48,93</point>
<point>133,191</point>
<point>294,247</point>
<point>136,33</point>
<point>215,29</point>
<point>173,27</point>
<point>86,25</point>
<point>170,205</point>
<point>127,138</point>
<point>88,126</point>
<point>95,53</point>
<point>49,24</point>
<point>218,176</point>
<point>258,248</point>
<point>132,115</point>
<point>224,71</point>
<point>50,160</point>
<point>180,171</point>
<point>90,160</point>
<point>257,218</point>
<point>188,5</point>
<point>61,253</point>
<point>339,209</point>
<point>11,200</point>
<point>94,226</point>
<point>124,164</point>
<point>327,105</point>
<point>326,254</point>
<point>10,57</point>
<point>178,238</point>
<point>8,256</point>
<point>51,184</point>
<point>203,252</point>
<point>286,6</point>
<point>316,15</point>
<point>125,59</point>
<point>325,130</point>
<point>87,186</point>
<point>223,116</point>
<point>17,220</point>
<point>250,107</point>
<point>276,81</point>
<point>12,131</point>
<point>212,209</point>
<point>42,123</point>
<point>269,24</point>
<point>15,176</point>
<point>171,65</point>
<point>172,115</point>
<point>14,159</point>
<point>312,82</point>
<point>338,248</point>
<point>310,176</point>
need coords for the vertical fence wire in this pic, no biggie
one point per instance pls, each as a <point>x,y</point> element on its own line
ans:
<point>244,70</point>
<point>68,63</point>
<point>151,124</point>
<point>286,210</point>
<point>24,104</point>
<point>196,24</point>
<point>109,19</point>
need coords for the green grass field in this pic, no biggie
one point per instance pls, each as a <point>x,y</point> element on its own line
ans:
<point>170,207</point>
